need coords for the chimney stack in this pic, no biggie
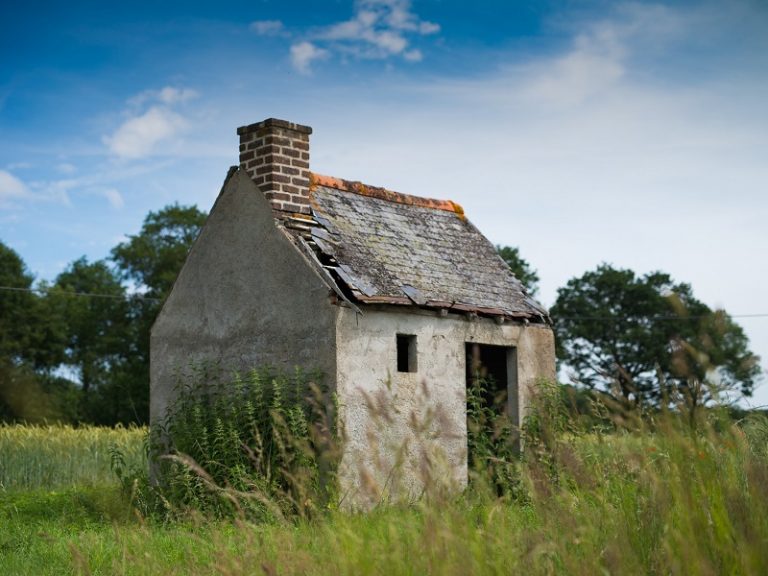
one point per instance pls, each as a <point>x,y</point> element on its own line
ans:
<point>275,153</point>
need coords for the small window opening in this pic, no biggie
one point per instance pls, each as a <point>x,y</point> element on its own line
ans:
<point>406,353</point>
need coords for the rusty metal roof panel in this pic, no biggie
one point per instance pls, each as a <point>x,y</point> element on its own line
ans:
<point>389,247</point>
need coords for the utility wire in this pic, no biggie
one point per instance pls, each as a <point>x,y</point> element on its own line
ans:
<point>669,317</point>
<point>596,318</point>
<point>56,291</point>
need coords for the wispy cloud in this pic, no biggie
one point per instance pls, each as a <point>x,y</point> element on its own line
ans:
<point>137,136</point>
<point>66,168</point>
<point>14,190</point>
<point>168,95</point>
<point>304,53</point>
<point>114,198</point>
<point>11,188</point>
<point>268,28</point>
<point>151,120</point>
<point>379,29</point>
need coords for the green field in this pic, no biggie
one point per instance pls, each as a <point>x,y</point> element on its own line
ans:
<point>670,501</point>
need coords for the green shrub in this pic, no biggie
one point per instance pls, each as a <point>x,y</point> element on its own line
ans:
<point>261,446</point>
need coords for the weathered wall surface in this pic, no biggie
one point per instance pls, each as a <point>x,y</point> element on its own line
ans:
<point>244,298</point>
<point>415,423</point>
<point>535,361</point>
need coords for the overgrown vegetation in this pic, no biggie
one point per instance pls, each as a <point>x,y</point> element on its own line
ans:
<point>261,446</point>
<point>609,494</point>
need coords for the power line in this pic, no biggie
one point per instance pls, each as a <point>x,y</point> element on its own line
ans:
<point>56,291</point>
<point>591,318</point>
<point>654,318</point>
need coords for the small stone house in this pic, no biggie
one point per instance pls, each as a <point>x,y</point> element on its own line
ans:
<point>397,299</point>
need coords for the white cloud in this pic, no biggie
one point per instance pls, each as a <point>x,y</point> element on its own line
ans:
<point>413,55</point>
<point>379,29</point>
<point>19,166</point>
<point>595,63</point>
<point>11,188</point>
<point>428,28</point>
<point>152,118</point>
<point>138,136</point>
<point>304,53</point>
<point>114,198</point>
<point>66,168</point>
<point>168,95</point>
<point>14,189</point>
<point>268,27</point>
<point>171,95</point>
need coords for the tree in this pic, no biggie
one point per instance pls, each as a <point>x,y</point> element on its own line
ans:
<point>642,339</point>
<point>153,258</point>
<point>150,260</point>
<point>96,325</point>
<point>31,345</point>
<point>28,332</point>
<point>520,267</point>
<point>16,305</point>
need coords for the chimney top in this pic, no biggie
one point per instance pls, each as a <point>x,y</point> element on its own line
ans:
<point>274,123</point>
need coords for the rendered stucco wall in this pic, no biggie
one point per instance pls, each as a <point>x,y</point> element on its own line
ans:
<point>244,298</point>
<point>403,430</point>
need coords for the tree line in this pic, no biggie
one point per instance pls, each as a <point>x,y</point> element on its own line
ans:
<point>77,349</point>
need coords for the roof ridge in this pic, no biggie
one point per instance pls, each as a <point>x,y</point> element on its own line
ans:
<point>354,187</point>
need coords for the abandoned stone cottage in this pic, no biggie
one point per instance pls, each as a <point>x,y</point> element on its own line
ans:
<point>395,298</point>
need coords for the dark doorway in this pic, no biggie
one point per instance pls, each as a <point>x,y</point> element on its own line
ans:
<point>495,369</point>
<point>492,403</point>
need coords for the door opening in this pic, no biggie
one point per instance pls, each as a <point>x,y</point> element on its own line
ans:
<point>493,415</point>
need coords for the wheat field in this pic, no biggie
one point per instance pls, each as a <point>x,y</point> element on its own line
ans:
<point>55,456</point>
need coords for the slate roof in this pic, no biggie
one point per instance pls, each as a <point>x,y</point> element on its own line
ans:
<point>379,246</point>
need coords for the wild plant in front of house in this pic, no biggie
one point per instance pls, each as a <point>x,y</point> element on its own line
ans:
<point>493,441</point>
<point>260,445</point>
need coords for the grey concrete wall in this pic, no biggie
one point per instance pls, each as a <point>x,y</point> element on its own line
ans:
<point>405,429</point>
<point>244,298</point>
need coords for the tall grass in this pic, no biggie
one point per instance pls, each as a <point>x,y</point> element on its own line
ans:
<point>57,456</point>
<point>632,497</point>
<point>662,501</point>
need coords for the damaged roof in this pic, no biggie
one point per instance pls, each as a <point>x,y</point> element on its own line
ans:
<point>373,245</point>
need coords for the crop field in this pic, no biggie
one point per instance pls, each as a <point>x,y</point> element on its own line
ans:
<point>666,501</point>
<point>55,457</point>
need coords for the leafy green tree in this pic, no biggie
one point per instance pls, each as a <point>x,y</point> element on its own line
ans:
<point>96,325</point>
<point>520,267</point>
<point>153,258</point>
<point>150,260</point>
<point>31,345</point>
<point>28,332</point>
<point>16,305</point>
<point>644,339</point>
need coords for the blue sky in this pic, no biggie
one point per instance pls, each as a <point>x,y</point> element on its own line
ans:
<point>634,133</point>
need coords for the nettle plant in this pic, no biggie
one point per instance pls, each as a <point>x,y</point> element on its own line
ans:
<point>262,445</point>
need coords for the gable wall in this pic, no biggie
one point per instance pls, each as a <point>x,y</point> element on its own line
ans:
<point>244,298</point>
<point>381,410</point>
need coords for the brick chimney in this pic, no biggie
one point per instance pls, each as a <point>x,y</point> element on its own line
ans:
<point>275,153</point>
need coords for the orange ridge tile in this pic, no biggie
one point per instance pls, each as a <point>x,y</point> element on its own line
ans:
<point>383,194</point>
